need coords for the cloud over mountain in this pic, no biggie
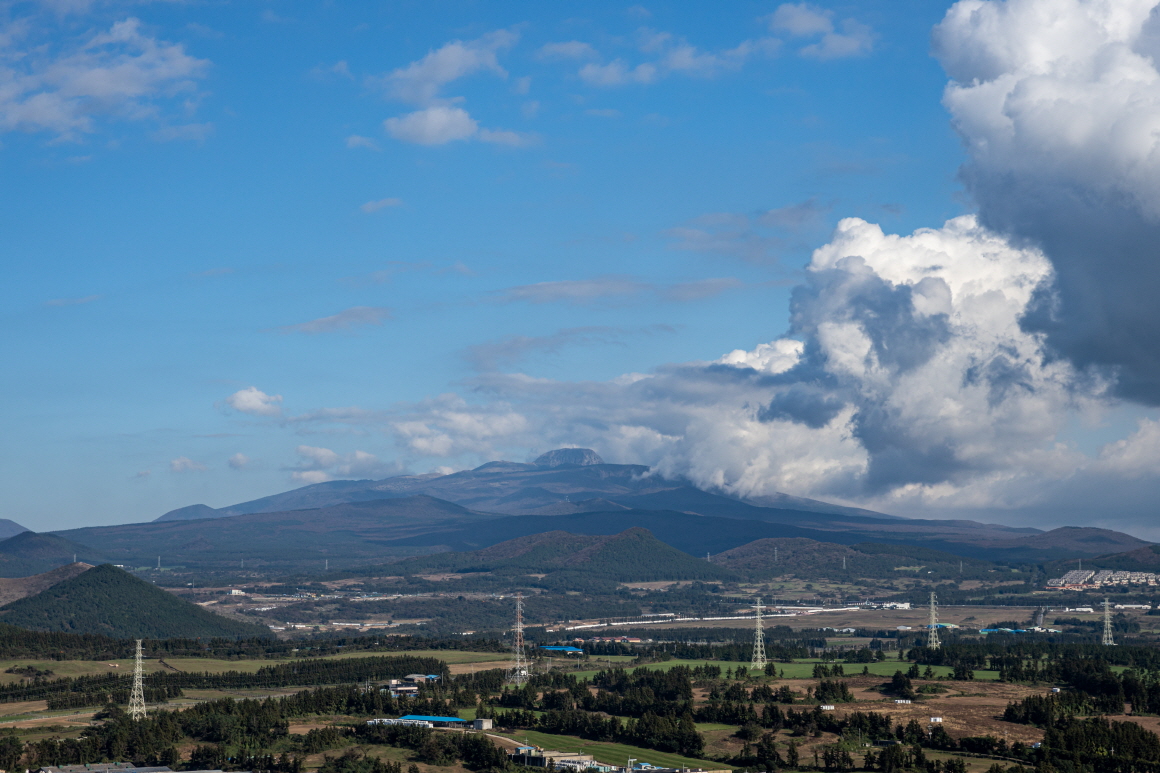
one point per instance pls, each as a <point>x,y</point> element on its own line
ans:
<point>1058,103</point>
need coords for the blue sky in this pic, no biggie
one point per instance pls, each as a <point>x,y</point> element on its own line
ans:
<point>250,245</point>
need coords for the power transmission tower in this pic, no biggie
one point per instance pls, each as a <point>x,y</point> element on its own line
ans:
<point>1108,640</point>
<point>758,663</point>
<point>137,697</point>
<point>518,673</point>
<point>932,632</point>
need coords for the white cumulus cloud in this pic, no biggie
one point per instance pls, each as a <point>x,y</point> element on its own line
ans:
<point>255,402</point>
<point>185,464</point>
<point>1058,104</point>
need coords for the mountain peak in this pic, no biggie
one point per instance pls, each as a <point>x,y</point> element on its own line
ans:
<point>579,457</point>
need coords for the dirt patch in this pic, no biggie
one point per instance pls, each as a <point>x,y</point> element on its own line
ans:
<point>472,668</point>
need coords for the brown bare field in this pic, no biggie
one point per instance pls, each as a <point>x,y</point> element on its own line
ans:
<point>861,618</point>
<point>469,668</point>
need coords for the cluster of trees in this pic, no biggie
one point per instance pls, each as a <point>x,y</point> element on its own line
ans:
<point>1096,690</point>
<point>21,644</point>
<point>96,690</point>
<point>74,700</point>
<point>254,734</point>
<point>1028,660</point>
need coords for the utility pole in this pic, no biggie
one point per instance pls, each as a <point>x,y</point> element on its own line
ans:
<point>932,633</point>
<point>518,672</point>
<point>843,563</point>
<point>775,554</point>
<point>137,696</point>
<point>758,662</point>
<point>1108,640</point>
<point>159,563</point>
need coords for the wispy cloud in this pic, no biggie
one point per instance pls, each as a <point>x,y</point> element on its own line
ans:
<point>375,206</point>
<point>358,316</point>
<point>700,289</point>
<point>510,350</point>
<point>72,301</point>
<point>421,81</point>
<point>120,73</point>
<point>849,38</point>
<point>190,132</point>
<point>396,267</point>
<point>667,54</point>
<point>571,49</point>
<point>576,291</point>
<point>616,288</point>
<point>441,120</point>
<point>756,237</point>
<point>355,141</point>
<point>318,465</point>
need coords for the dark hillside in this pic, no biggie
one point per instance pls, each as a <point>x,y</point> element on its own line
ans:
<point>634,555</point>
<point>809,558</point>
<point>30,553</point>
<point>110,601</point>
<point>298,540</point>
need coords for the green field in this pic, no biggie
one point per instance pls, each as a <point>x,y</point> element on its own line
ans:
<point>61,668</point>
<point>610,753</point>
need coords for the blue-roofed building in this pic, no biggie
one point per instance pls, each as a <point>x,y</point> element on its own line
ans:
<point>436,721</point>
<point>564,650</point>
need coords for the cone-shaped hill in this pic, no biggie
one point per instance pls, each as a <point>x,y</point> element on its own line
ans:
<point>110,601</point>
<point>634,555</point>
<point>30,553</point>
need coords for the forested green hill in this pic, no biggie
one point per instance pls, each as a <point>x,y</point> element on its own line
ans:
<point>110,601</point>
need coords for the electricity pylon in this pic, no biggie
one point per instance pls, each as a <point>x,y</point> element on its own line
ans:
<point>137,696</point>
<point>758,662</point>
<point>1108,640</point>
<point>932,627</point>
<point>518,672</point>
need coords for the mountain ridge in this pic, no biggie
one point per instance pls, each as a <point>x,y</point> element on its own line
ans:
<point>502,487</point>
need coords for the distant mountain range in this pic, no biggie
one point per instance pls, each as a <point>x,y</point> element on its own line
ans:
<point>10,528</point>
<point>555,483</point>
<point>358,523</point>
<point>110,601</point>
